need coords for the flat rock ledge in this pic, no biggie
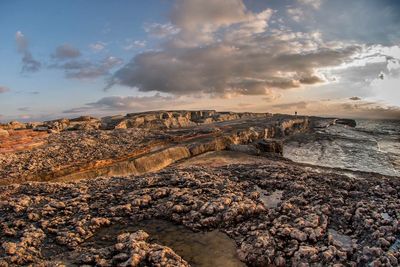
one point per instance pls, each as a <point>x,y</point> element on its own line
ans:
<point>321,219</point>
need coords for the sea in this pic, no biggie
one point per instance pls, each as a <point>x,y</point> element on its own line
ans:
<point>371,146</point>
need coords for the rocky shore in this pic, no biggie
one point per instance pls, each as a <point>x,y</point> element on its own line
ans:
<point>71,154</point>
<point>218,184</point>
<point>319,219</point>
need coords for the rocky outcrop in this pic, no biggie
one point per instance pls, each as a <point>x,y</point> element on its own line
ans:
<point>92,153</point>
<point>13,125</point>
<point>174,119</point>
<point>347,122</point>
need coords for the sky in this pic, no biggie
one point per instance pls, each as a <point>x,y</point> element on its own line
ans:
<point>101,57</point>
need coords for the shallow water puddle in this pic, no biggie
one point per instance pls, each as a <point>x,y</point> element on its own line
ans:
<point>270,200</point>
<point>199,249</point>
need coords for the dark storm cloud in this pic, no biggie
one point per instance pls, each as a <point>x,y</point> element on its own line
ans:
<point>29,63</point>
<point>66,51</point>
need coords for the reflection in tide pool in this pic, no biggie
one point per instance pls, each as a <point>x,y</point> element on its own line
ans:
<point>198,248</point>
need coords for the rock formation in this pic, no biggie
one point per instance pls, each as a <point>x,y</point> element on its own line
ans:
<point>321,218</point>
<point>348,122</point>
<point>92,152</point>
<point>65,183</point>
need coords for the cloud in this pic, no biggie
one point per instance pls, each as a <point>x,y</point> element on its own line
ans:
<point>84,69</point>
<point>362,75</point>
<point>24,109</point>
<point>98,46</point>
<point>129,103</point>
<point>208,15</point>
<point>372,110</point>
<point>271,95</point>
<point>4,89</point>
<point>259,64</point>
<point>29,64</point>
<point>133,44</point>
<point>293,105</point>
<point>225,49</point>
<point>66,51</point>
<point>340,108</point>
<point>316,4</point>
<point>355,98</point>
<point>161,30</point>
<point>296,14</point>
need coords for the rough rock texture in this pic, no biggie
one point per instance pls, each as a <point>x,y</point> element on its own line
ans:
<point>4,133</point>
<point>278,212</point>
<point>91,153</point>
<point>175,119</point>
<point>14,141</point>
<point>151,119</point>
<point>322,219</point>
<point>130,249</point>
<point>271,146</point>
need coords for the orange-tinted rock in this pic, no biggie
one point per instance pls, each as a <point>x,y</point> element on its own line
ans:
<point>22,140</point>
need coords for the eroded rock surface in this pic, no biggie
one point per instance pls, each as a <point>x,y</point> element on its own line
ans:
<point>317,216</point>
<point>277,212</point>
<point>91,152</point>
